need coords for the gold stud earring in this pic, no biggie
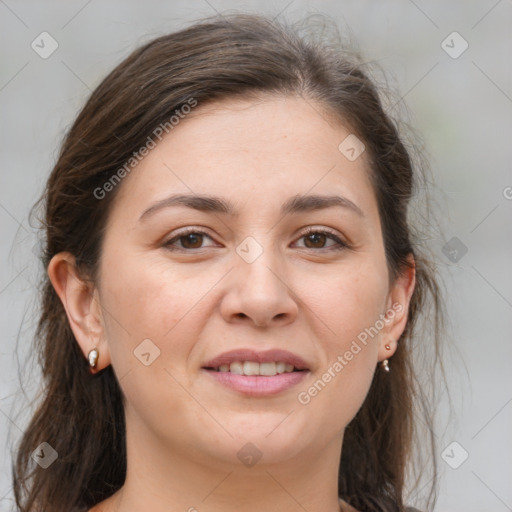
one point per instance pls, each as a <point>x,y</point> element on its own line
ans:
<point>93,357</point>
<point>385,364</point>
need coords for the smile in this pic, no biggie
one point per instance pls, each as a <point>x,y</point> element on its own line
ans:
<point>255,368</point>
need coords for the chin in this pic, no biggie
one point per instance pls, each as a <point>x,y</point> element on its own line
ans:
<point>273,438</point>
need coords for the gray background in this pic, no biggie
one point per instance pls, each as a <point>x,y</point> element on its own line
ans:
<point>462,106</point>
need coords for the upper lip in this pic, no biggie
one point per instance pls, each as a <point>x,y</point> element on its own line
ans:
<point>265,356</point>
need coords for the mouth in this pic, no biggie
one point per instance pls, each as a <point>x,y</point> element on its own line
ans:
<point>258,385</point>
<point>257,373</point>
<point>253,368</point>
<point>245,361</point>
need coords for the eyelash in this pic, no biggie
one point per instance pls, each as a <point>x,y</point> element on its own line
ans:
<point>311,230</point>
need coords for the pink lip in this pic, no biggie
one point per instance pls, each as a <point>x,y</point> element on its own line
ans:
<point>266,356</point>
<point>258,385</point>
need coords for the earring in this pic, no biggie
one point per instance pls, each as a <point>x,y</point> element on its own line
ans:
<point>93,357</point>
<point>385,364</point>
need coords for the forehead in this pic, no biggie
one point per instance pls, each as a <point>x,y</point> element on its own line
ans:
<point>262,148</point>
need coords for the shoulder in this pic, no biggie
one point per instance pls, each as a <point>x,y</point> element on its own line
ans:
<point>345,507</point>
<point>107,505</point>
<point>98,508</point>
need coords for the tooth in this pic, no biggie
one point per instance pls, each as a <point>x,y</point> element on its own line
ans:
<point>236,367</point>
<point>268,369</point>
<point>255,368</point>
<point>280,367</point>
<point>251,368</point>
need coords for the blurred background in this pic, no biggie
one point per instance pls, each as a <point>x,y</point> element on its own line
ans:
<point>450,63</point>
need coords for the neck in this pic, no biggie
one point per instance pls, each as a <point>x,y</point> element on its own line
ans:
<point>181,478</point>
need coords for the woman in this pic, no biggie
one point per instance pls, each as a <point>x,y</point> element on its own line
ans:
<point>233,286</point>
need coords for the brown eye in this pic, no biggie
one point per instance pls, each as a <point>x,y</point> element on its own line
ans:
<point>191,240</point>
<point>317,240</point>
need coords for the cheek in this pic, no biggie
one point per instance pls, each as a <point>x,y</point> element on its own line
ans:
<point>146,297</point>
<point>353,300</point>
<point>149,322</point>
<point>351,307</point>
<point>141,300</point>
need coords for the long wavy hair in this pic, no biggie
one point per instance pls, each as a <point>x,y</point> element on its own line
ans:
<point>82,415</point>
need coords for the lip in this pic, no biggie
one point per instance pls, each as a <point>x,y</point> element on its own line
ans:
<point>258,385</point>
<point>258,356</point>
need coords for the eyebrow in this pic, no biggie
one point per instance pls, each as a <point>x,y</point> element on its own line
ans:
<point>295,204</point>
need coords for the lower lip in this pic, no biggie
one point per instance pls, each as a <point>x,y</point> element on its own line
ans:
<point>258,385</point>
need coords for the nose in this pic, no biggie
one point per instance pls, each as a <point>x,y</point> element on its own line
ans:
<point>259,293</point>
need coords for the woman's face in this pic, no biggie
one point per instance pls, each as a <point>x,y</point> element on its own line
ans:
<point>247,277</point>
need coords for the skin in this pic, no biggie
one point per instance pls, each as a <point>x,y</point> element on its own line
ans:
<point>183,428</point>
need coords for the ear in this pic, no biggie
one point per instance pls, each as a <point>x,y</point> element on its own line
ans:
<point>397,310</point>
<point>81,302</point>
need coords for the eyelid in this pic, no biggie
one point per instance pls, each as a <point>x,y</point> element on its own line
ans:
<point>340,243</point>
<point>184,232</point>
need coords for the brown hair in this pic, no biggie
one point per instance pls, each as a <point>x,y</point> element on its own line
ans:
<point>82,416</point>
